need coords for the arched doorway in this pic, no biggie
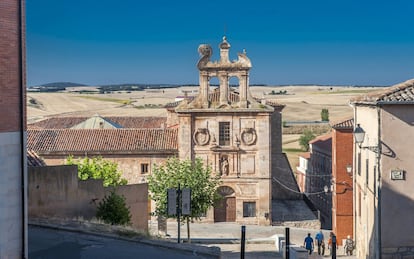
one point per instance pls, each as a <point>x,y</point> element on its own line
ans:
<point>225,208</point>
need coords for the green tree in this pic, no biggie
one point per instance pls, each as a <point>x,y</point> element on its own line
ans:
<point>113,210</point>
<point>189,174</point>
<point>305,138</point>
<point>325,114</point>
<point>98,168</point>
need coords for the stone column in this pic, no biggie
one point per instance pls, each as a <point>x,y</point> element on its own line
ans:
<point>243,88</point>
<point>203,79</point>
<point>224,88</point>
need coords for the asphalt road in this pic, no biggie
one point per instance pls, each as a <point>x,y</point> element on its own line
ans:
<point>47,243</point>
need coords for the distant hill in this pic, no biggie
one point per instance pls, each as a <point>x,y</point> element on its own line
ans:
<point>53,87</point>
<point>62,84</point>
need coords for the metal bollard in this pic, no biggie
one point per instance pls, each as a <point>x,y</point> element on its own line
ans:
<point>287,242</point>
<point>243,241</point>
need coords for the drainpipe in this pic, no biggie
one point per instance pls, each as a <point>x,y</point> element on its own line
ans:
<point>22,114</point>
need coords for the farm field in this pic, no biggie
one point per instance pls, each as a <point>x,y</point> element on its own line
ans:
<point>301,103</point>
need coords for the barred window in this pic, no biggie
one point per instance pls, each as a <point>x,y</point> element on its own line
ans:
<point>249,209</point>
<point>224,133</point>
<point>144,168</point>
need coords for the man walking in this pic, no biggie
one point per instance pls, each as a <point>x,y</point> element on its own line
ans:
<point>320,242</point>
<point>308,243</point>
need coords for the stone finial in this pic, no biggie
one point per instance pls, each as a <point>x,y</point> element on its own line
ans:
<point>224,44</point>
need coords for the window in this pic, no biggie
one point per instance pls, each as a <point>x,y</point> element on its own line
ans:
<point>224,133</point>
<point>249,209</point>
<point>144,168</point>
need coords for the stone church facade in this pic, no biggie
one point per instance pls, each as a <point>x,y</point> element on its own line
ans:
<point>234,133</point>
<point>239,136</point>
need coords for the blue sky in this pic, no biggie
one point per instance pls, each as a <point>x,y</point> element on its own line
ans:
<point>352,42</point>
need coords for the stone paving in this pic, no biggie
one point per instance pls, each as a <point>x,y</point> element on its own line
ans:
<point>260,240</point>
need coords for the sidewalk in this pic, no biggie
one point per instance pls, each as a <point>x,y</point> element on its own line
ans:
<point>260,240</point>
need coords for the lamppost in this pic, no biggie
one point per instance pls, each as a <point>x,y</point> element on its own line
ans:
<point>359,135</point>
<point>349,169</point>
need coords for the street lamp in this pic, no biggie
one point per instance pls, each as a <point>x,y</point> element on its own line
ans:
<point>349,169</point>
<point>359,135</point>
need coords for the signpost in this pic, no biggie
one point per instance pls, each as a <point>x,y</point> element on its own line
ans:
<point>179,203</point>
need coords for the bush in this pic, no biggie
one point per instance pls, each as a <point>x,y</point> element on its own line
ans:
<point>113,210</point>
<point>305,138</point>
<point>325,114</point>
<point>98,168</point>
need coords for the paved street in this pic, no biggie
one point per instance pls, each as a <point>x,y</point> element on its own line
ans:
<point>260,242</point>
<point>47,243</point>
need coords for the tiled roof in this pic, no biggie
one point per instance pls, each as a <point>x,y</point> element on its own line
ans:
<point>402,93</point>
<point>323,142</point>
<point>103,140</point>
<point>343,124</point>
<point>97,122</point>
<point>274,103</point>
<point>214,97</point>
<point>172,105</point>
<point>305,155</point>
<point>125,122</point>
<point>33,159</point>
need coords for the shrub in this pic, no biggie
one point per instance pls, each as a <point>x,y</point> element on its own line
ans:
<point>98,168</point>
<point>325,114</point>
<point>305,138</point>
<point>113,210</point>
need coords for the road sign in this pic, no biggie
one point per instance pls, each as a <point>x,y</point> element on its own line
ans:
<point>172,201</point>
<point>186,201</point>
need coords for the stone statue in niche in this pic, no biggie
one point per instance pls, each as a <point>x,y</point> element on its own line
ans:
<point>224,164</point>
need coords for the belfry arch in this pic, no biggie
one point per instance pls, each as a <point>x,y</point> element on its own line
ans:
<point>223,70</point>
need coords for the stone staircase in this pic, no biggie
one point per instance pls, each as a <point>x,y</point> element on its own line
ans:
<point>294,213</point>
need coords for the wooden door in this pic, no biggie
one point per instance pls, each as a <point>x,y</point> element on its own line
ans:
<point>231,209</point>
<point>225,210</point>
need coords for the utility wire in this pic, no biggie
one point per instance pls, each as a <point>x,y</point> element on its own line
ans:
<point>292,190</point>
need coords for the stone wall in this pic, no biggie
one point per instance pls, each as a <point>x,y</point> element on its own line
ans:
<point>55,191</point>
<point>128,164</point>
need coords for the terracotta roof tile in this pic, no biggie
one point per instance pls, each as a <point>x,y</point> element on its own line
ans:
<point>323,142</point>
<point>103,140</point>
<point>402,93</point>
<point>125,122</point>
<point>305,155</point>
<point>343,124</point>
<point>33,159</point>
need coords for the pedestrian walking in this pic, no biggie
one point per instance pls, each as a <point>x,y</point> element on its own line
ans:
<point>349,245</point>
<point>330,243</point>
<point>319,238</point>
<point>308,243</point>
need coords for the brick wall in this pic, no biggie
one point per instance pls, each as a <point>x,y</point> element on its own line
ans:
<point>12,64</point>
<point>342,207</point>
